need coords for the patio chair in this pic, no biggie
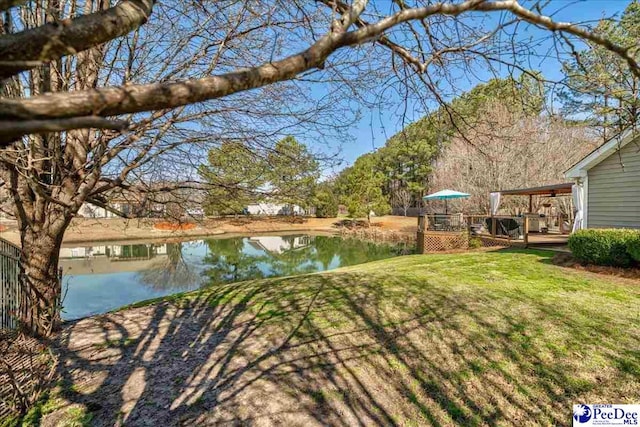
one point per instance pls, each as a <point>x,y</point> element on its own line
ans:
<point>440,222</point>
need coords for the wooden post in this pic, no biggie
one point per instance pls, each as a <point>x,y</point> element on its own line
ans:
<point>493,226</point>
<point>530,203</point>
<point>422,219</point>
<point>420,242</point>
<point>526,231</point>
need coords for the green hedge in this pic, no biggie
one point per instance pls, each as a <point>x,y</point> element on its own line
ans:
<point>616,247</point>
<point>633,248</point>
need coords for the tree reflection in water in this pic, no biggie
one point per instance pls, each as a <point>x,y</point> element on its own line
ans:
<point>172,272</point>
<point>228,261</point>
<point>105,276</point>
<point>233,260</point>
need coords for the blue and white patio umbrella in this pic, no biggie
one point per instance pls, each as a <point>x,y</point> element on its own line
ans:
<point>446,195</point>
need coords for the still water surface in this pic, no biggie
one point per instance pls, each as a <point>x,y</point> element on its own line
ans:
<point>103,277</point>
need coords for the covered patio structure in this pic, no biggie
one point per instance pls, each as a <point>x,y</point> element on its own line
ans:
<point>547,226</point>
<point>541,229</point>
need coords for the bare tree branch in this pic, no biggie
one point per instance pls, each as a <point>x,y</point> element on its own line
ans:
<point>138,98</point>
<point>10,131</point>
<point>68,37</point>
<point>546,22</point>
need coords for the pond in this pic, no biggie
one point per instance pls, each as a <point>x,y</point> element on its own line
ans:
<point>104,276</point>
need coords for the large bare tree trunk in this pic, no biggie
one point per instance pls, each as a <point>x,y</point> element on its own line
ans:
<point>48,176</point>
<point>39,268</point>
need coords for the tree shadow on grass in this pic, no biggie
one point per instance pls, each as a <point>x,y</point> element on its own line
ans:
<point>339,349</point>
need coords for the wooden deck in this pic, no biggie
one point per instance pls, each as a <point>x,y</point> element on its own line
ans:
<point>508,230</point>
<point>552,241</point>
<point>548,239</point>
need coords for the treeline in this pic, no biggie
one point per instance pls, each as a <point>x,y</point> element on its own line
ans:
<point>498,135</point>
<point>495,136</point>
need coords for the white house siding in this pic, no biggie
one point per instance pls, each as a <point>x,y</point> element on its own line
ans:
<point>614,190</point>
<point>273,209</point>
<point>87,210</point>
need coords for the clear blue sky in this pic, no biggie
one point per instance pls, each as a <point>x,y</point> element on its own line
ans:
<point>373,129</point>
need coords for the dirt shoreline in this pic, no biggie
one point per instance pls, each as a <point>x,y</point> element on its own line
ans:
<point>88,230</point>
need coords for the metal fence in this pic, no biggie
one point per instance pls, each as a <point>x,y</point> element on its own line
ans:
<point>11,290</point>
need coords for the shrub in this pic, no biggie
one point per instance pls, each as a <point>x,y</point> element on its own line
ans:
<point>475,243</point>
<point>603,247</point>
<point>633,247</point>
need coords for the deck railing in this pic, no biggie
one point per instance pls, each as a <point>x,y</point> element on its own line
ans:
<point>498,230</point>
<point>441,222</point>
<point>502,227</point>
<point>510,227</point>
<point>11,289</point>
<point>559,223</point>
<point>513,228</point>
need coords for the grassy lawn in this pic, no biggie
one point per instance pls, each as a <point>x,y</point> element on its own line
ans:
<point>488,338</point>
